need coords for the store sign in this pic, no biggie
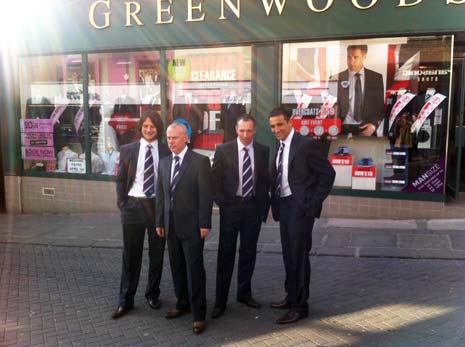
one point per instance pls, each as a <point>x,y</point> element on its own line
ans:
<point>430,181</point>
<point>37,153</point>
<point>76,165</point>
<point>37,139</point>
<point>100,11</point>
<point>123,122</point>
<point>36,126</point>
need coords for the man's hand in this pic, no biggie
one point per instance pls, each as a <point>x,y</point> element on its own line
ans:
<point>367,129</point>
<point>161,232</point>
<point>204,232</point>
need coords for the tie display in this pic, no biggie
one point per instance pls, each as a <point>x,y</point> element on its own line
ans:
<point>149,173</point>
<point>247,175</point>
<point>279,174</point>
<point>177,167</point>
<point>358,98</point>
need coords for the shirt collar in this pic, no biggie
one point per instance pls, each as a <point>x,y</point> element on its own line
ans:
<point>182,154</point>
<point>144,143</point>
<point>241,146</point>
<point>288,140</point>
<point>361,72</point>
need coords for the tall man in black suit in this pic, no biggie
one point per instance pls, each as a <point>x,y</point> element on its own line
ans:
<point>301,179</point>
<point>360,93</point>
<point>135,188</point>
<point>241,181</point>
<point>184,206</point>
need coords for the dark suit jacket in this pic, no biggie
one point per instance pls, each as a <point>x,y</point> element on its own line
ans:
<point>310,176</point>
<point>373,99</point>
<point>225,172</point>
<point>128,166</point>
<point>192,198</point>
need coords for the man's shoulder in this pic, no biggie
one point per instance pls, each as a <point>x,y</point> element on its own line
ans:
<point>130,147</point>
<point>372,73</point>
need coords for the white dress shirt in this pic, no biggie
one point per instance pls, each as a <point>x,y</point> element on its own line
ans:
<point>181,158</point>
<point>240,153</point>
<point>349,119</point>
<point>137,189</point>
<point>285,188</point>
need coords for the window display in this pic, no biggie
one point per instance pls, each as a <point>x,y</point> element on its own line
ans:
<point>209,88</point>
<point>127,85</point>
<point>52,113</point>
<point>379,107</point>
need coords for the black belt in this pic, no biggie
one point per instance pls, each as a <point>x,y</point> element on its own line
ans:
<point>242,199</point>
<point>141,198</point>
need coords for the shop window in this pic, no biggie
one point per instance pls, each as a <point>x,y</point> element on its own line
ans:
<point>52,114</point>
<point>378,107</point>
<point>209,88</point>
<point>124,86</point>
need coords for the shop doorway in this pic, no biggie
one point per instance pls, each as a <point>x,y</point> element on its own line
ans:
<point>456,153</point>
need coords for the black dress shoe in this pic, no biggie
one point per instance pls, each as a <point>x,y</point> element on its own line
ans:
<point>198,327</point>
<point>120,312</point>
<point>249,302</point>
<point>218,312</point>
<point>154,303</point>
<point>291,317</point>
<point>282,305</point>
<point>175,313</point>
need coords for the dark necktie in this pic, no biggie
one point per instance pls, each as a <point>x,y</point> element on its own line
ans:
<point>177,167</point>
<point>279,174</point>
<point>358,98</point>
<point>247,175</point>
<point>149,173</point>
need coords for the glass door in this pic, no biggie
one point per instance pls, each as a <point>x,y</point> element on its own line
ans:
<point>456,172</point>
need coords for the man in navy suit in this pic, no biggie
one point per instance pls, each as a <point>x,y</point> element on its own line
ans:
<point>360,93</point>
<point>241,181</point>
<point>183,216</point>
<point>301,179</point>
<point>135,188</point>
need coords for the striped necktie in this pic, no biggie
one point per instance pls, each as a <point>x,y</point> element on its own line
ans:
<point>279,174</point>
<point>247,175</point>
<point>149,173</point>
<point>177,167</point>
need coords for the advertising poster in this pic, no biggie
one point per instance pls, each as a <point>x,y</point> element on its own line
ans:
<point>369,95</point>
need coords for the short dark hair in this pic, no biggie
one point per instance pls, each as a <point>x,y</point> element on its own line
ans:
<point>155,119</point>
<point>246,118</point>
<point>363,48</point>
<point>279,111</point>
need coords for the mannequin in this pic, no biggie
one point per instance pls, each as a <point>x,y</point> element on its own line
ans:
<point>63,156</point>
<point>110,160</point>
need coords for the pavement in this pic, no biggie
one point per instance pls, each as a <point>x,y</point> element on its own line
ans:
<point>375,283</point>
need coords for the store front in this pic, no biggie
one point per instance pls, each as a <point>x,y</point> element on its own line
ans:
<point>383,98</point>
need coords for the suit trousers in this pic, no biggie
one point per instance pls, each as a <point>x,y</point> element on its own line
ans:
<point>296,241</point>
<point>187,269</point>
<point>133,245</point>
<point>240,217</point>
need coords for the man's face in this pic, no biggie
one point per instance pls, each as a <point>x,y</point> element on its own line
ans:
<point>177,139</point>
<point>245,131</point>
<point>280,127</point>
<point>355,59</point>
<point>149,131</point>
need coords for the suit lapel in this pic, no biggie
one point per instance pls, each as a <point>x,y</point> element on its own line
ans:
<point>235,160</point>
<point>185,164</point>
<point>293,149</point>
<point>134,157</point>
<point>256,159</point>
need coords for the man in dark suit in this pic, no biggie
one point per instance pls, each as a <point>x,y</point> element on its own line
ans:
<point>241,181</point>
<point>301,179</point>
<point>360,93</point>
<point>184,206</point>
<point>135,188</point>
